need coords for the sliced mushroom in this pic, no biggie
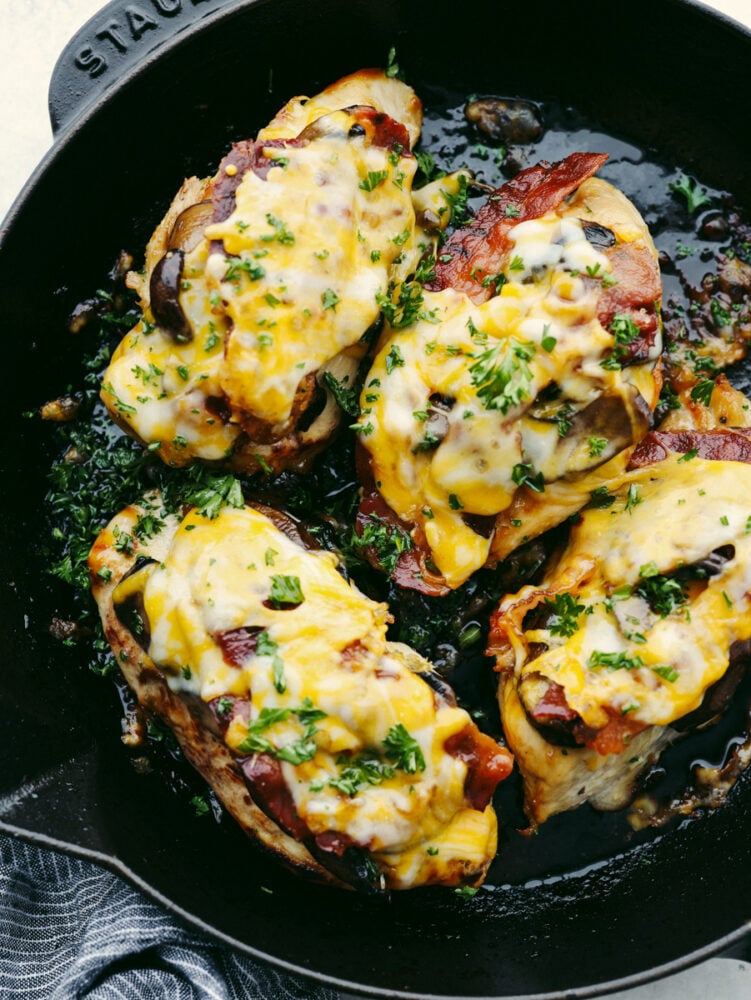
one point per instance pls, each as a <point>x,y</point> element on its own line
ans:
<point>164,292</point>
<point>547,710</point>
<point>506,120</point>
<point>598,236</point>
<point>127,599</point>
<point>717,697</point>
<point>338,124</point>
<point>596,433</point>
<point>187,232</point>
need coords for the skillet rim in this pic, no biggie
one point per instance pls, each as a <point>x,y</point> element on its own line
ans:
<point>68,134</point>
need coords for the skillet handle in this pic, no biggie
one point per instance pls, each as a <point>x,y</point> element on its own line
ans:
<point>114,41</point>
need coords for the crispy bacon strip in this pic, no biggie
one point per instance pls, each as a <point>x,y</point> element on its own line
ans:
<point>553,714</point>
<point>614,737</point>
<point>238,644</point>
<point>266,779</point>
<point>479,247</point>
<point>731,445</point>
<point>638,286</point>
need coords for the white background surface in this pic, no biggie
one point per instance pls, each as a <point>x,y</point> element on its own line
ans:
<point>32,34</point>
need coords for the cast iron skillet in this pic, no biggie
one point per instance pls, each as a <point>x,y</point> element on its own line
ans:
<point>667,75</point>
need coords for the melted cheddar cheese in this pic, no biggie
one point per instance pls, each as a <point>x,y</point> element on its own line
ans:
<point>320,232</point>
<point>161,389</point>
<point>487,365</point>
<point>624,656</point>
<point>326,652</point>
<point>290,291</point>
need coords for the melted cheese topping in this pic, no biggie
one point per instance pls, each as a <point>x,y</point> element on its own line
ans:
<point>325,256</point>
<point>491,361</point>
<point>161,388</point>
<point>218,576</point>
<point>321,232</point>
<point>664,517</point>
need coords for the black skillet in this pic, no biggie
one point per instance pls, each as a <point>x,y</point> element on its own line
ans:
<point>582,909</point>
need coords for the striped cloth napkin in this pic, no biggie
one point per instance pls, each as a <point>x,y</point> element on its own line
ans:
<point>70,930</point>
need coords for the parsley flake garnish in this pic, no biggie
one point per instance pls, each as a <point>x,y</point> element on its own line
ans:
<point>330,299</point>
<point>238,266</point>
<point>266,646</point>
<point>404,750</point>
<point>394,359</point>
<point>285,591</point>
<point>702,391</point>
<point>566,610</point>
<point>689,189</point>
<point>374,179</point>
<point>501,374</point>
<point>614,661</point>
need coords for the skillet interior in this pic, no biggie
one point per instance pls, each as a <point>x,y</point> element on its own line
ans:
<point>67,775</point>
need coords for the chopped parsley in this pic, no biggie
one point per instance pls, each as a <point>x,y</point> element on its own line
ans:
<point>614,661</point>
<point>374,179</point>
<point>392,66</point>
<point>548,341</point>
<point>212,490</point>
<point>281,233</point>
<point>596,446</point>
<point>407,308</point>
<point>457,202</point>
<point>425,270</point>
<point>662,593</point>
<point>286,591</point>
<point>689,189</point>
<point>625,331</point>
<point>296,752</point>
<point>394,359</point>
<point>387,541</point>
<point>346,398</point>
<point>238,266</point>
<point>632,498</point>
<point>404,750</point>
<point>502,375</point>
<point>566,610</point>
<point>330,299</point>
<point>359,772</point>
<point>525,475</point>
<point>427,166</point>
<point>600,497</point>
<point>702,391</point>
<point>266,646</point>
<point>200,805</point>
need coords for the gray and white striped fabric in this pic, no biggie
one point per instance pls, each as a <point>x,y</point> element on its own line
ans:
<point>70,930</point>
